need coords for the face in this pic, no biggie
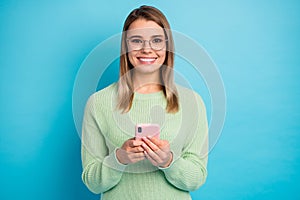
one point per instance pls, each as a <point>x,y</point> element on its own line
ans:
<point>146,44</point>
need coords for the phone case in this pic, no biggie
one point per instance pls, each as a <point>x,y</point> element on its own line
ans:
<point>144,130</point>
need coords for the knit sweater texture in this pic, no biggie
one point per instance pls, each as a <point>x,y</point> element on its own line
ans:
<point>105,129</point>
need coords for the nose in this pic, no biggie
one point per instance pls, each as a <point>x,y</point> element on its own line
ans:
<point>146,46</point>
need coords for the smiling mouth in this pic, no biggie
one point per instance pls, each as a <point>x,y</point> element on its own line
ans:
<point>147,60</point>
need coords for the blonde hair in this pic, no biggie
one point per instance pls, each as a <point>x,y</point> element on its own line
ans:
<point>125,84</point>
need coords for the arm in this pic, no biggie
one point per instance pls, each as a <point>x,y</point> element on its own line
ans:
<point>101,169</point>
<point>188,172</point>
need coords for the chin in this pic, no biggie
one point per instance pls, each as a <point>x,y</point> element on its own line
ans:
<point>148,69</point>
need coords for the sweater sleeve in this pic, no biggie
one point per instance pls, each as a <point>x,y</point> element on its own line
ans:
<point>188,172</point>
<point>101,169</point>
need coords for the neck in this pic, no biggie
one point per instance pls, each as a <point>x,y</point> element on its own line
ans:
<point>146,83</point>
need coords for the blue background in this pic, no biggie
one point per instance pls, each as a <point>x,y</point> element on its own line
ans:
<point>255,45</point>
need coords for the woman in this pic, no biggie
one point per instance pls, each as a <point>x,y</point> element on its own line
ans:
<point>114,162</point>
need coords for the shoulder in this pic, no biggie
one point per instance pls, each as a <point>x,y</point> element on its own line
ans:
<point>188,95</point>
<point>109,90</point>
<point>190,101</point>
<point>105,95</point>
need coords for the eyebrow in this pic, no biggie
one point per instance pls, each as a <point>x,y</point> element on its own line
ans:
<point>139,36</point>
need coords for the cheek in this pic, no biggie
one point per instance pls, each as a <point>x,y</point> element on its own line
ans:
<point>131,57</point>
<point>162,56</point>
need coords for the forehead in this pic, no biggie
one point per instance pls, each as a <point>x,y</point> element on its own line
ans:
<point>144,28</point>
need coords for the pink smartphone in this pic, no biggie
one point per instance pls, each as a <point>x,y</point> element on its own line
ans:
<point>144,130</point>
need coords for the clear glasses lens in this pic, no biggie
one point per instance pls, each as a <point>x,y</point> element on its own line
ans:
<point>138,44</point>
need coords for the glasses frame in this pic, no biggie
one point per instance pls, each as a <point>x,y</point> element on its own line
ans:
<point>143,45</point>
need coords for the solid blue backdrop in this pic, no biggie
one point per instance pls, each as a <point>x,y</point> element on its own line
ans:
<point>255,45</point>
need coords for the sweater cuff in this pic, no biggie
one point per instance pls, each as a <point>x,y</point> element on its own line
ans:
<point>112,161</point>
<point>171,167</point>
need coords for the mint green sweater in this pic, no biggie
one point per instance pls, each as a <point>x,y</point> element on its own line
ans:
<point>105,129</point>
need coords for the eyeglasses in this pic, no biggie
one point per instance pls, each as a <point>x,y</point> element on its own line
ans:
<point>156,44</point>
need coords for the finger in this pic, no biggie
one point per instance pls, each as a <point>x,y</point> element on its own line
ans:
<point>136,149</point>
<point>163,145</point>
<point>138,159</point>
<point>153,146</point>
<point>159,155</point>
<point>137,155</point>
<point>154,140</point>
<point>150,159</point>
<point>135,143</point>
<point>151,153</point>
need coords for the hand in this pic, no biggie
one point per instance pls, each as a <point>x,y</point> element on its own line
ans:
<point>130,152</point>
<point>157,151</point>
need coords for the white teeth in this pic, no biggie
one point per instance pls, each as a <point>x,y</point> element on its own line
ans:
<point>147,59</point>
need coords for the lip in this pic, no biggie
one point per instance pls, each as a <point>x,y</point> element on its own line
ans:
<point>147,60</point>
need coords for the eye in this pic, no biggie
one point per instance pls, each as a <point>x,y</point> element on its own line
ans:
<point>157,40</point>
<point>136,41</point>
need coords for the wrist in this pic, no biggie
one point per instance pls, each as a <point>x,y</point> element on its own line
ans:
<point>169,161</point>
<point>119,157</point>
